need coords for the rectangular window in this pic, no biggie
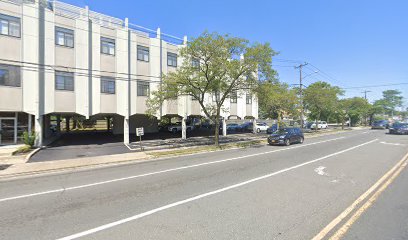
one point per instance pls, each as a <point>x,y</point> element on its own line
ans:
<point>249,98</point>
<point>216,97</point>
<point>108,85</point>
<point>9,25</point>
<point>172,59</point>
<point>10,75</point>
<point>64,37</point>
<point>108,46</point>
<point>195,63</point>
<point>143,88</point>
<point>64,81</point>
<point>142,53</point>
<point>234,96</point>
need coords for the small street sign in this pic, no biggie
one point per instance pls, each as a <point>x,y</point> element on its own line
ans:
<point>139,131</point>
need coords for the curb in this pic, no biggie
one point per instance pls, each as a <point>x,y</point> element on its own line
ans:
<point>32,153</point>
<point>124,162</point>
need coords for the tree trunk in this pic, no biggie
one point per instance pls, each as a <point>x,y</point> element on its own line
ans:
<point>217,129</point>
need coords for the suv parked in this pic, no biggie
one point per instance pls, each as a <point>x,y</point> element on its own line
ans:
<point>286,136</point>
<point>380,124</point>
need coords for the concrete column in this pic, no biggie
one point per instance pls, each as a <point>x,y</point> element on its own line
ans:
<point>29,124</point>
<point>254,125</point>
<point>67,124</point>
<point>224,127</point>
<point>108,122</point>
<point>126,139</point>
<point>15,127</point>
<point>59,123</point>
<point>183,128</point>
<point>38,125</point>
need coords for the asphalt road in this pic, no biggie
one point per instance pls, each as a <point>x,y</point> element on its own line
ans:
<point>256,193</point>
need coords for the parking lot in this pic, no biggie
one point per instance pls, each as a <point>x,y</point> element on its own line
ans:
<point>80,144</point>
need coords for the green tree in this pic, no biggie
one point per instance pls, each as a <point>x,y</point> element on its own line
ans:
<point>355,109</point>
<point>216,65</point>
<point>276,99</point>
<point>391,100</point>
<point>320,97</point>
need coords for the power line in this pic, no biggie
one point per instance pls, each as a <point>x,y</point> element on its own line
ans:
<point>381,85</point>
<point>76,68</point>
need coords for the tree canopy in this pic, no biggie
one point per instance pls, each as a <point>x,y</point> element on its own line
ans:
<point>320,97</point>
<point>215,65</point>
<point>276,99</point>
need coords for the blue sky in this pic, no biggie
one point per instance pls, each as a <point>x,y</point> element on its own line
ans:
<point>356,43</point>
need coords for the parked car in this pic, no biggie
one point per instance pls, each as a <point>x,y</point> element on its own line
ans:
<point>286,136</point>
<point>274,127</point>
<point>261,127</point>
<point>249,127</point>
<point>246,127</point>
<point>320,125</point>
<point>233,127</point>
<point>380,124</point>
<point>399,128</point>
<point>177,128</point>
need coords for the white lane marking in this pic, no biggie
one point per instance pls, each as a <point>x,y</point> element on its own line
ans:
<point>394,144</point>
<point>144,214</point>
<point>160,172</point>
<point>320,170</point>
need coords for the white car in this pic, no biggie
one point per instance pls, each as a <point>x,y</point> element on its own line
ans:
<point>320,125</point>
<point>177,128</point>
<point>261,127</point>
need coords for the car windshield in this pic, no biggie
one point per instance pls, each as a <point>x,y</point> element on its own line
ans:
<point>281,131</point>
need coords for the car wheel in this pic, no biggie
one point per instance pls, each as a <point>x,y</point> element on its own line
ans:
<point>301,140</point>
<point>287,142</point>
<point>174,130</point>
<point>258,130</point>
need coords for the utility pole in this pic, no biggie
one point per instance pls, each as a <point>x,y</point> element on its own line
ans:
<point>365,97</point>
<point>365,94</point>
<point>301,93</point>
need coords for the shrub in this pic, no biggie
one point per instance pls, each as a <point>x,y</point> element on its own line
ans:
<point>22,149</point>
<point>29,138</point>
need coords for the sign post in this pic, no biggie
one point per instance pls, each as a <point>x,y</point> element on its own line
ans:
<point>140,133</point>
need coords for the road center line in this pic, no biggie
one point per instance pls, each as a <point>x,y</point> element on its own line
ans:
<point>322,234</point>
<point>160,172</point>
<point>153,211</point>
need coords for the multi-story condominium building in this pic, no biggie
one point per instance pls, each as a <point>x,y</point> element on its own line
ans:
<point>62,61</point>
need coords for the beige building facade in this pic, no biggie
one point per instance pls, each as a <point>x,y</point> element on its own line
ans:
<point>61,61</point>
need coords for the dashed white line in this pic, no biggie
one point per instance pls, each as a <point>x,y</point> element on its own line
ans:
<point>175,204</point>
<point>159,172</point>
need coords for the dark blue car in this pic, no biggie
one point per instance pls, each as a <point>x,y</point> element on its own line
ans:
<point>380,124</point>
<point>286,136</point>
<point>233,127</point>
<point>399,128</point>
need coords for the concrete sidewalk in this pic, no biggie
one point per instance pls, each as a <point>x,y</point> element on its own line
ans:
<point>26,168</point>
<point>21,167</point>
